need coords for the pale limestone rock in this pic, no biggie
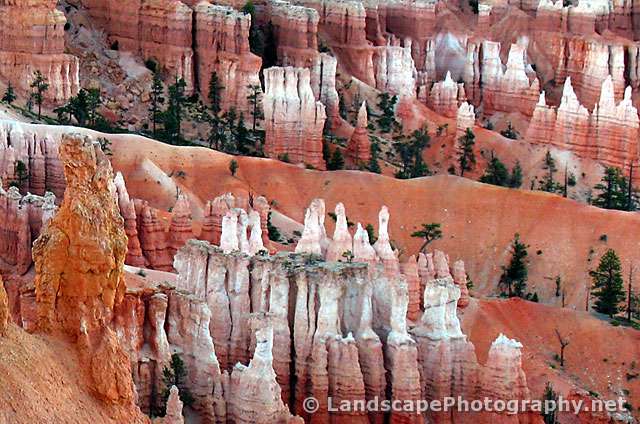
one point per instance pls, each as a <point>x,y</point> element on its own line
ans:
<point>342,241</point>
<point>229,237</point>
<point>293,118</point>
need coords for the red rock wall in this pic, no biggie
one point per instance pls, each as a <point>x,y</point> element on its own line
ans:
<point>222,46</point>
<point>32,38</point>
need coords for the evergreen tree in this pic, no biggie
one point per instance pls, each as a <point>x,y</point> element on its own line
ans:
<point>429,233</point>
<point>230,143</point>
<point>216,136</point>
<point>371,233</point>
<point>515,179</point>
<point>550,399</point>
<point>514,276</point>
<point>374,166</point>
<point>387,104</point>
<point>175,376</point>
<point>496,173</point>
<point>608,286</point>
<point>243,139</point>
<point>410,152</point>
<point>548,183</point>
<point>233,167</point>
<point>156,100</point>
<point>215,93</point>
<point>175,111</point>
<point>254,101</point>
<point>39,85</point>
<point>9,95</point>
<point>337,161</point>
<point>613,191</point>
<point>466,156</point>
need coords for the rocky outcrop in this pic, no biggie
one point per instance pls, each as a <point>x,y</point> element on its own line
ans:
<point>295,32</point>
<point>4,310</point>
<point>394,70</point>
<point>509,90</point>
<point>294,120</point>
<point>158,30</point>
<point>26,152</point>
<point>79,255</point>
<point>254,394</point>
<point>174,408</point>
<point>445,96</point>
<point>359,146</point>
<point>222,46</point>
<point>79,265</point>
<point>128,212</point>
<point>608,135</point>
<point>32,39</point>
<point>465,118</point>
<point>323,84</point>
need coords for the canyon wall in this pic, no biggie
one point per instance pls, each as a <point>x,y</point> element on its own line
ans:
<point>294,120</point>
<point>32,39</point>
<point>608,135</point>
<point>222,46</point>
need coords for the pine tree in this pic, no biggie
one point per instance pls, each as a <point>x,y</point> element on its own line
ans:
<point>387,120</point>
<point>515,179</point>
<point>410,152</point>
<point>429,233</point>
<point>496,173</point>
<point>9,95</point>
<point>175,111</point>
<point>336,162</point>
<point>175,376</point>
<point>374,166</point>
<point>466,156</point>
<point>156,100</point>
<point>371,233</point>
<point>39,85</point>
<point>243,139</point>
<point>215,93</point>
<point>254,101</point>
<point>548,183</point>
<point>514,277</point>
<point>233,167</point>
<point>550,398</point>
<point>608,288</point>
<point>613,191</point>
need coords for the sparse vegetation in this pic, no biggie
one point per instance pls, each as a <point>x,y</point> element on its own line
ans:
<point>466,156</point>
<point>233,167</point>
<point>428,233</point>
<point>608,286</point>
<point>614,192</point>
<point>39,86</point>
<point>174,376</point>
<point>514,276</point>
<point>9,95</point>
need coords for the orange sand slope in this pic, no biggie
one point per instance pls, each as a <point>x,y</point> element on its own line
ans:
<point>599,357</point>
<point>43,382</point>
<point>566,238</point>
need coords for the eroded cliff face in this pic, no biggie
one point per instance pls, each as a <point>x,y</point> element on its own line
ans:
<point>32,38</point>
<point>293,118</point>
<point>222,46</point>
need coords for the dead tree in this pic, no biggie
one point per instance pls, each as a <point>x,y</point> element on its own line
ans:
<point>564,342</point>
